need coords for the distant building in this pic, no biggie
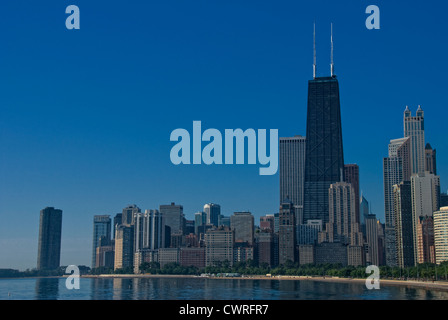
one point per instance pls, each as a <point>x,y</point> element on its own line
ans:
<point>443,200</point>
<point>372,240</point>
<point>267,222</point>
<point>144,255</point>
<point>105,253</point>
<point>49,245</point>
<point>192,257</point>
<point>324,156</point>
<point>292,172</point>
<point>306,254</point>
<point>287,232</point>
<point>213,211</point>
<point>219,244</point>
<point>396,168</point>
<point>351,175</point>
<point>342,226</point>
<point>308,233</point>
<point>430,160</point>
<point>200,219</point>
<point>124,247</point>
<point>425,200</point>
<point>441,234</point>
<point>168,255</point>
<point>266,244</point>
<point>243,252</point>
<point>127,217</point>
<point>117,221</point>
<point>191,240</point>
<point>425,240</point>
<point>223,221</point>
<point>101,228</point>
<point>174,217</point>
<point>356,255</point>
<point>364,209</point>
<point>414,127</point>
<point>242,223</point>
<point>331,252</point>
<point>381,243</point>
<point>149,230</point>
<point>404,224</point>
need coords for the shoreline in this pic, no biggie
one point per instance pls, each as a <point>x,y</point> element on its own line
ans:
<point>428,285</point>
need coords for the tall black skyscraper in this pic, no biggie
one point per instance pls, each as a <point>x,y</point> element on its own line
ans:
<point>324,159</point>
<point>49,247</point>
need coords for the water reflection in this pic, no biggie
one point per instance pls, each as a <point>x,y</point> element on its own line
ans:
<point>47,289</point>
<point>207,289</point>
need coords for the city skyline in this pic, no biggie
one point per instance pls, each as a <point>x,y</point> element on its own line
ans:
<point>83,155</point>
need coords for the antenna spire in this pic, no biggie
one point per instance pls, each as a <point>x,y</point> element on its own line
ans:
<point>332,51</point>
<point>314,52</point>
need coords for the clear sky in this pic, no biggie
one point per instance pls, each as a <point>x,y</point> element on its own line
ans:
<point>86,115</point>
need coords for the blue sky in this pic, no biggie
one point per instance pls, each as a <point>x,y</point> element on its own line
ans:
<point>86,115</point>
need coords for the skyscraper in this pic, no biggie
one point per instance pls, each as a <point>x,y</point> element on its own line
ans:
<point>414,127</point>
<point>213,211</point>
<point>287,232</point>
<point>200,219</point>
<point>430,159</point>
<point>117,221</point>
<point>372,239</point>
<point>124,247</point>
<point>267,222</point>
<point>425,200</point>
<point>425,240</point>
<point>396,169</point>
<point>441,234</point>
<point>324,157</point>
<point>149,232</point>
<point>101,228</point>
<point>292,170</point>
<point>342,226</point>
<point>49,246</point>
<point>401,148</point>
<point>242,223</point>
<point>128,214</point>
<point>351,175</point>
<point>404,224</point>
<point>364,209</point>
<point>174,217</point>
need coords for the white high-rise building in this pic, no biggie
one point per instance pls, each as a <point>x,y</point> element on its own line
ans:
<point>425,190</point>
<point>212,211</point>
<point>149,230</point>
<point>414,127</point>
<point>441,234</point>
<point>292,173</point>
<point>396,168</point>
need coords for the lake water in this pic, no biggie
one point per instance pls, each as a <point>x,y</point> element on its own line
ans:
<point>204,289</point>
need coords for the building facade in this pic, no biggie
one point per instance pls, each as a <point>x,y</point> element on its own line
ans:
<point>404,225</point>
<point>49,243</point>
<point>414,127</point>
<point>101,228</point>
<point>287,232</point>
<point>441,234</point>
<point>242,224</point>
<point>324,157</point>
<point>292,170</point>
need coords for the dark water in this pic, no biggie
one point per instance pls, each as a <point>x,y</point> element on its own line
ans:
<point>204,289</point>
